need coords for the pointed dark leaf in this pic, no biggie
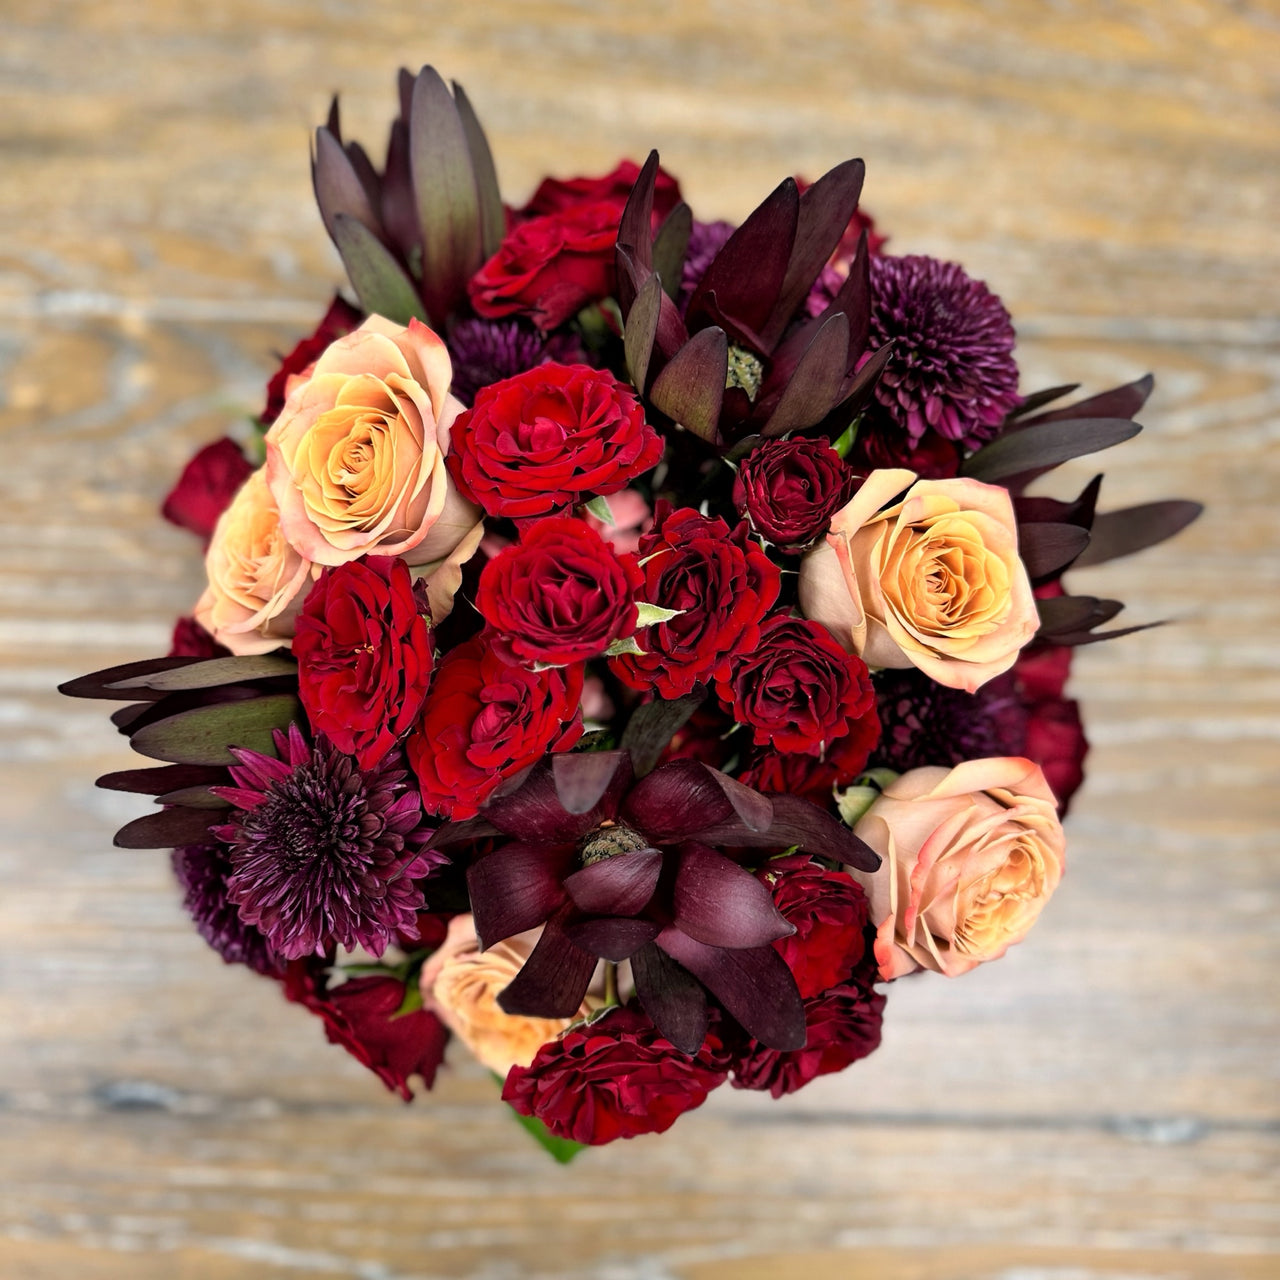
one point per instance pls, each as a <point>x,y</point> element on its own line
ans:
<point>209,673</point>
<point>203,735</point>
<point>515,888</point>
<point>101,684</point>
<point>194,798</point>
<point>754,985</point>
<point>670,246</point>
<point>444,186</point>
<point>584,780</point>
<point>493,218</point>
<point>169,829</point>
<point>365,171</point>
<point>1045,445</point>
<point>1067,614</point>
<point>799,822</point>
<point>641,331</point>
<point>672,997</point>
<point>1074,639</point>
<point>680,799</point>
<point>1047,548</point>
<point>162,778</point>
<point>124,717</point>
<point>859,387</point>
<point>618,886</point>
<point>1119,402</point>
<point>378,279</point>
<point>532,811</point>
<point>634,247</point>
<point>334,121</point>
<point>554,979</point>
<point>817,385</point>
<point>404,86</point>
<point>1121,533</point>
<point>1080,511</point>
<point>719,903</point>
<point>653,725</point>
<point>337,185</point>
<point>1038,399</point>
<point>825,211</point>
<point>612,939</point>
<point>399,208</point>
<point>690,390</point>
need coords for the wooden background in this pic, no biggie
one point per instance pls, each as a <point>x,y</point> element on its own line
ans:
<point>1100,1106</point>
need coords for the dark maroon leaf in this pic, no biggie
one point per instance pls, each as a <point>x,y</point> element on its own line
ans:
<point>1038,399</point>
<point>817,384</point>
<point>168,829</point>
<point>493,217</point>
<point>1119,402</point>
<point>618,886</point>
<point>1046,548</point>
<point>553,980</point>
<point>194,798</point>
<point>635,236</point>
<point>1045,445</point>
<point>100,684</point>
<point>1121,533</point>
<point>1067,614</point>
<point>515,888</point>
<point>670,246</point>
<point>652,726</point>
<point>690,389</point>
<point>453,834</point>
<point>679,799</point>
<point>610,939</point>
<point>365,171</point>
<point>161,779</point>
<point>533,811</point>
<point>210,673</point>
<point>124,718</point>
<point>399,208</point>
<point>337,185</point>
<point>859,387</point>
<point>719,903</point>
<point>641,330</point>
<point>1074,639</point>
<point>798,822</point>
<point>583,780</point>
<point>1080,511</point>
<point>672,997</point>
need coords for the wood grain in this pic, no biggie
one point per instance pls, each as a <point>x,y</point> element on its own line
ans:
<point>1102,1104</point>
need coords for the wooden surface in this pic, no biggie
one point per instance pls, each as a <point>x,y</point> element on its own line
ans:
<point>1102,1105</point>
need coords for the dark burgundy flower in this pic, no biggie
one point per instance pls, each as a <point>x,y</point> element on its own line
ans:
<point>617,869</point>
<point>556,195</point>
<point>549,438</point>
<point>191,640</point>
<point>322,853</point>
<point>797,689</point>
<point>882,443</point>
<point>721,583</point>
<point>560,594</point>
<point>616,1077</point>
<point>341,318</point>
<point>202,871</point>
<point>952,369</point>
<point>829,911</point>
<point>790,489</point>
<point>842,1025</point>
<point>1056,741</point>
<point>362,1015</point>
<point>549,268</point>
<point>706,239</point>
<point>364,656</point>
<point>206,486</point>
<point>487,351</point>
<point>485,720</point>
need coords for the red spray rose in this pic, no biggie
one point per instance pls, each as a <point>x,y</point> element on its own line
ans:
<point>549,268</point>
<point>549,438</point>
<point>829,911</point>
<point>615,1078</point>
<point>341,318</point>
<point>556,195</point>
<point>843,1026</point>
<point>794,774</point>
<point>881,443</point>
<point>360,1015</point>
<point>191,640</point>
<point>206,486</point>
<point>364,656</point>
<point>790,489</point>
<point>1056,742</point>
<point>485,720</point>
<point>722,584</point>
<point>797,688</point>
<point>559,595</point>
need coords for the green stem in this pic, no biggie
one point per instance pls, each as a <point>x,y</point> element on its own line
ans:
<point>610,983</point>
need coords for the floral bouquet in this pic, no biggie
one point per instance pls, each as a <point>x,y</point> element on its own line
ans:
<point>627,639</point>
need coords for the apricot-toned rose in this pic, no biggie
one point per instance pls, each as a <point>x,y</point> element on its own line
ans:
<point>461,985</point>
<point>933,581</point>
<point>356,458</point>
<point>257,581</point>
<point>970,857</point>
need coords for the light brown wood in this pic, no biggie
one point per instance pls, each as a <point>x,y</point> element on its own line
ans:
<point>1101,1104</point>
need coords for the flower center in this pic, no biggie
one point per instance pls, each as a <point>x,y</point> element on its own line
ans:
<point>609,840</point>
<point>745,372</point>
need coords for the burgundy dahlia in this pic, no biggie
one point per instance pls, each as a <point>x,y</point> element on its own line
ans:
<point>706,239</point>
<point>488,351</point>
<point>952,368</point>
<point>202,871</point>
<point>323,853</point>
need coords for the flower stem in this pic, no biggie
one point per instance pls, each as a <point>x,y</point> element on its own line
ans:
<point>610,983</point>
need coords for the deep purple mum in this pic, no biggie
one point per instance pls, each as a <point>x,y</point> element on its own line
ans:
<point>923,723</point>
<point>487,351</point>
<point>706,239</point>
<point>952,367</point>
<point>202,871</point>
<point>323,854</point>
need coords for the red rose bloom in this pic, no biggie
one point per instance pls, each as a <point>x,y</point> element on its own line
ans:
<point>843,1026</point>
<point>795,775</point>
<point>341,318</point>
<point>1056,742</point>
<point>364,656</point>
<point>360,1015</point>
<point>615,1078</point>
<point>722,584</point>
<point>485,720</point>
<point>559,595</point>
<point>798,689</point>
<point>191,640</point>
<point>206,486</point>
<point>548,438</point>
<point>882,443</point>
<point>829,911</point>
<point>790,489</point>
<point>557,195</point>
<point>549,268</point>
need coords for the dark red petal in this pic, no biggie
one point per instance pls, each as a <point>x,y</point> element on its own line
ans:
<point>591,779</point>
<point>533,811</point>
<point>618,886</point>
<point>755,986</point>
<point>514,889</point>
<point>554,979</point>
<point>719,903</point>
<point>683,797</point>
<point>799,822</point>
<point>672,997</point>
<point>612,939</point>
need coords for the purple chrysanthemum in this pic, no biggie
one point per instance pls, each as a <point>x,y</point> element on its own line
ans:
<point>202,871</point>
<point>323,853</point>
<point>923,723</point>
<point>952,370</point>
<point>706,239</point>
<point>487,351</point>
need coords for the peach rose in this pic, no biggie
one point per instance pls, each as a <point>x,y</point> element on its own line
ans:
<point>933,581</point>
<point>356,458</point>
<point>257,581</point>
<point>970,857</point>
<point>461,985</point>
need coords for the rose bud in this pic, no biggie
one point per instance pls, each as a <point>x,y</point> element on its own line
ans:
<point>971,855</point>
<point>559,595</point>
<point>356,458</point>
<point>932,581</point>
<point>790,489</point>
<point>207,485</point>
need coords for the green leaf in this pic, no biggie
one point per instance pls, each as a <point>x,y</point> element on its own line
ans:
<point>652,725</point>
<point>203,735</point>
<point>599,507</point>
<point>648,614</point>
<point>562,1150</point>
<point>215,671</point>
<point>411,1003</point>
<point>619,647</point>
<point>670,246</point>
<point>846,438</point>
<point>378,279</point>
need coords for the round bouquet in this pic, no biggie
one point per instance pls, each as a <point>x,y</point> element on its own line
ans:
<point>628,641</point>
